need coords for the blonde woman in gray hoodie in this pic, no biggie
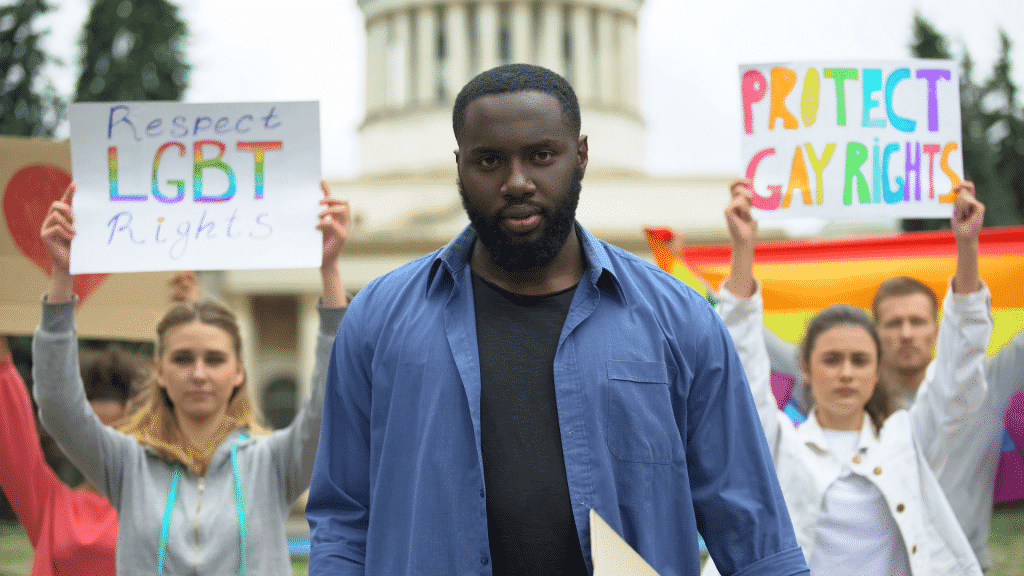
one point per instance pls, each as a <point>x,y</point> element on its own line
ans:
<point>199,486</point>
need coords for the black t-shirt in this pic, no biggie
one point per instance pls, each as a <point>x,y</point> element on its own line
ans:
<point>530,523</point>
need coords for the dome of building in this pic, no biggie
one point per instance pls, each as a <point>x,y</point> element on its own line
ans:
<point>420,53</point>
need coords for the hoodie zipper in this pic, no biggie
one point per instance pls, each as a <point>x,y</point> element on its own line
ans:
<point>199,507</point>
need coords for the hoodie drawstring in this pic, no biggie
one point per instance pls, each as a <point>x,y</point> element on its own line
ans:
<point>172,494</point>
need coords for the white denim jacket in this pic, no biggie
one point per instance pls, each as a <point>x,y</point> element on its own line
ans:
<point>969,478</point>
<point>898,460</point>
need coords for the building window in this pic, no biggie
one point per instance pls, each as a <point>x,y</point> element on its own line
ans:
<point>441,62</point>
<point>536,21</point>
<point>567,45</point>
<point>504,34</point>
<point>473,36</point>
<point>414,43</point>
<point>280,402</point>
<point>396,65</point>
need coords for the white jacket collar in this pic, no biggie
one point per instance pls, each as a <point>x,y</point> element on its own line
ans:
<point>813,435</point>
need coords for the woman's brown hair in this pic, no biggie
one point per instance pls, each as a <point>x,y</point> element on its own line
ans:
<point>150,416</point>
<point>879,406</point>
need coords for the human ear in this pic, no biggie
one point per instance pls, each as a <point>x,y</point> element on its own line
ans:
<point>581,153</point>
<point>159,377</point>
<point>158,373</point>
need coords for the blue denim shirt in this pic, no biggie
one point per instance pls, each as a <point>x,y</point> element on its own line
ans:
<point>659,431</point>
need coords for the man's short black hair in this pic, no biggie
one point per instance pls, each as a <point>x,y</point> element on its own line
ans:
<point>517,78</point>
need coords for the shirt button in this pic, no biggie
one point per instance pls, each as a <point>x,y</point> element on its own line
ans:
<point>914,549</point>
<point>484,559</point>
<point>900,507</point>
<point>481,492</point>
<point>856,459</point>
<point>878,470</point>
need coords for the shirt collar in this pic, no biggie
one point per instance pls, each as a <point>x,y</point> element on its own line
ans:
<point>813,435</point>
<point>451,260</point>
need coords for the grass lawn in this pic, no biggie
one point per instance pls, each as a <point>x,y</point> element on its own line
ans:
<point>15,551</point>
<point>1006,542</point>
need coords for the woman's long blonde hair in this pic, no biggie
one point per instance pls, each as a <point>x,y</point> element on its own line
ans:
<point>150,415</point>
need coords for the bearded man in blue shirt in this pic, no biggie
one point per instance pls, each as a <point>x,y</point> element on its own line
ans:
<point>483,398</point>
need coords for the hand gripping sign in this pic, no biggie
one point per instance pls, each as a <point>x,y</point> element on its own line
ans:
<point>172,186</point>
<point>852,141</point>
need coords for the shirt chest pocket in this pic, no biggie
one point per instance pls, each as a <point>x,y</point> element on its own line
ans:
<point>639,423</point>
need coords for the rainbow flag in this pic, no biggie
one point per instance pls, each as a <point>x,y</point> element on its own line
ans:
<point>800,277</point>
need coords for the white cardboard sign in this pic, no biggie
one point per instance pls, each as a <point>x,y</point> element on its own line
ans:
<point>852,140</point>
<point>175,186</point>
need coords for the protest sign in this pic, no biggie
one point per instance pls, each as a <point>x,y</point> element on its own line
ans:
<point>171,186</point>
<point>34,172</point>
<point>852,141</point>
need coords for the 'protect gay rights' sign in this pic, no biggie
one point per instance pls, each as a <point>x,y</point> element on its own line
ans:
<point>852,141</point>
<point>173,186</point>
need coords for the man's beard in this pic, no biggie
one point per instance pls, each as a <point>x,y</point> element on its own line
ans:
<point>513,254</point>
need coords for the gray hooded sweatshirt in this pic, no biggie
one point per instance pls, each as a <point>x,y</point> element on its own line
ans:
<point>203,527</point>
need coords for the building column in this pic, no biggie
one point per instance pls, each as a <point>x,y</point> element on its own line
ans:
<point>405,88</point>
<point>457,31</point>
<point>309,329</point>
<point>550,44</point>
<point>519,21</point>
<point>607,79</point>
<point>628,64</point>
<point>376,46</point>
<point>426,55</point>
<point>487,34</point>
<point>582,54</point>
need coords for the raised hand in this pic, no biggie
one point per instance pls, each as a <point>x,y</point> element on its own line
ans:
<point>334,224</point>
<point>742,225</point>
<point>56,232</point>
<point>184,286</point>
<point>743,230</point>
<point>968,215</point>
<point>58,229</point>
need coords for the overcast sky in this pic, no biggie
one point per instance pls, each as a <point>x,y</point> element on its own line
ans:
<point>248,50</point>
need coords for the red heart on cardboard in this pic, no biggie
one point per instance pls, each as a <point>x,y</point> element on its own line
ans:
<point>27,198</point>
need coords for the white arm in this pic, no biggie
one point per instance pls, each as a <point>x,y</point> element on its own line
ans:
<point>955,386</point>
<point>743,318</point>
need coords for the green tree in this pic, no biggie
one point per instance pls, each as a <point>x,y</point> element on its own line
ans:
<point>928,41</point>
<point>1007,124</point>
<point>992,131</point>
<point>133,50</point>
<point>29,105</point>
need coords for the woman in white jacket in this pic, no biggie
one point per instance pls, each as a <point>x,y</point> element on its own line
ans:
<point>858,480</point>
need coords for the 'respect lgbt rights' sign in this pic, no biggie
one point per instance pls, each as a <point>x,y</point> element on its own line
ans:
<point>852,141</point>
<point>173,186</point>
